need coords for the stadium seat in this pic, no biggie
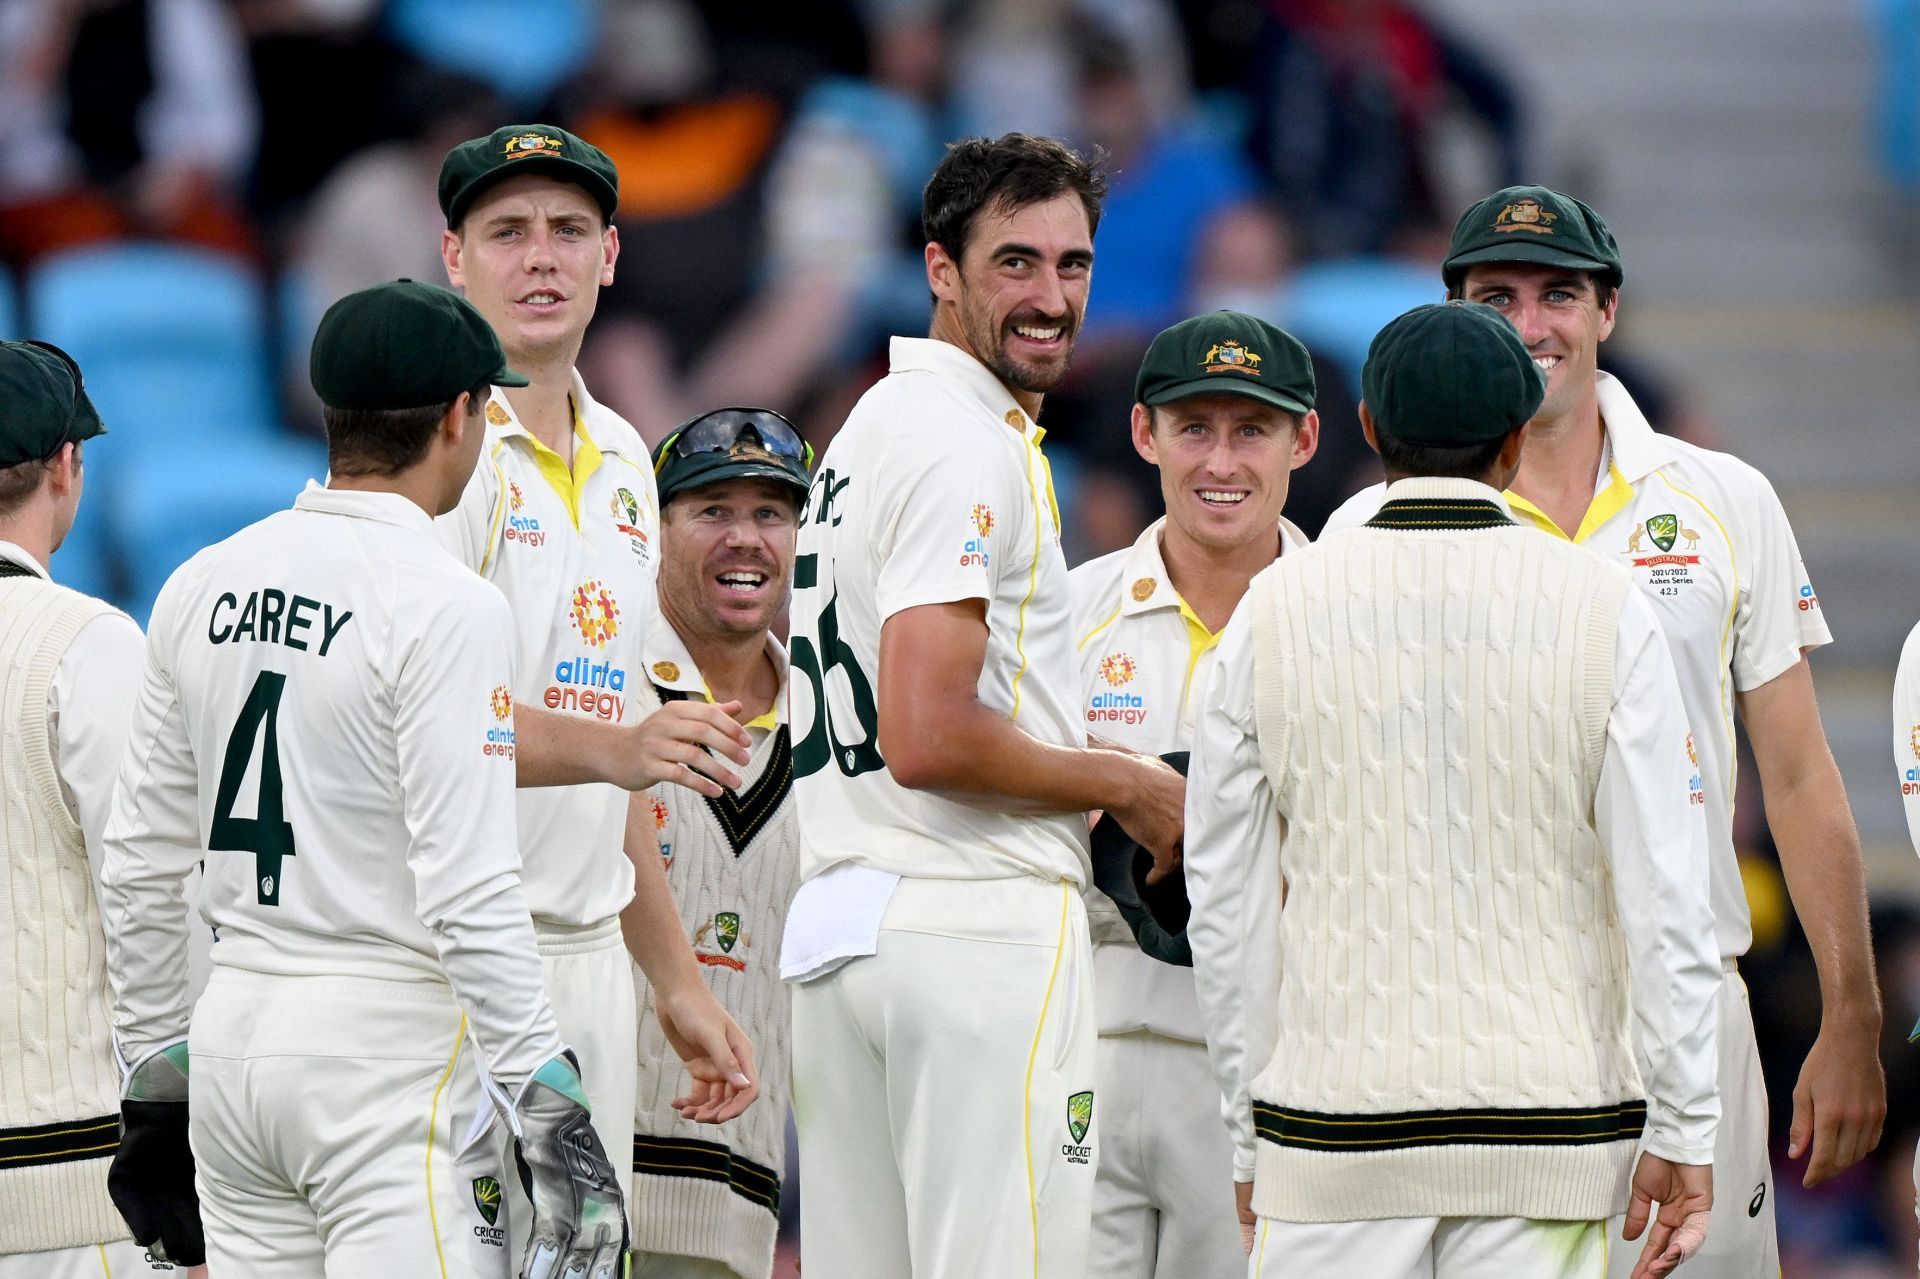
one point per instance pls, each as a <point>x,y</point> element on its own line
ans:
<point>1337,307</point>
<point>523,49</point>
<point>172,340</point>
<point>162,517</point>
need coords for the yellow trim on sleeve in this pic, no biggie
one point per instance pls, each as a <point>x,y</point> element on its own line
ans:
<point>502,500</point>
<point>433,1122</point>
<point>569,483</point>
<point>1033,1055</point>
<point>1606,504</point>
<point>1033,584</point>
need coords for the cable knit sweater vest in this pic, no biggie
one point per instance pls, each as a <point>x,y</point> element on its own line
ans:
<point>1432,701</point>
<point>59,1078</point>
<point>734,865</point>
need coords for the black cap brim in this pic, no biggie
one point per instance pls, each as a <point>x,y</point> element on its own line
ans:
<point>1227,385</point>
<point>1524,251</point>
<point>553,166</point>
<point>676,480</point>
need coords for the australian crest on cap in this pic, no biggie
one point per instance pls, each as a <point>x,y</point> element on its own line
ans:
<point>522,145</point>
<point>1230,356</point>
<point>1526,215</point>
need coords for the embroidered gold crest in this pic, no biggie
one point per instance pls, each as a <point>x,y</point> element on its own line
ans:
<point>668,671</point>
<point>1525,215</point>
<point>1144,588</point>
<point>1231,357</point>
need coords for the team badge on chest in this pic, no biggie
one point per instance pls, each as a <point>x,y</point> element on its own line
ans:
<point>1665,546</point>
<point>626,518</point>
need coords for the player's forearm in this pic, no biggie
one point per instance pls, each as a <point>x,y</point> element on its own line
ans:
<point>970,752</point>
<point>552,749</point>
<point>650,923</point>
<point>483,936</point>
<point>1820,855</point>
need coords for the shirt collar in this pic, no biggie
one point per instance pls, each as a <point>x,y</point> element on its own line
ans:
<point>671,666</point>
<point>1148,585</point>
<point>1444,488</point>
<point>1638,450</point>
<point>944,359</point>
<point>588,413</point>
<point>20,555</point>
<point>387,508</point>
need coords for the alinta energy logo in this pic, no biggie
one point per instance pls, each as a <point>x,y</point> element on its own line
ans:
<point>974,553</point>
<point>1117,670</point>
<point>1910,780</point>
<point>499,736</point>
<point>1696,793</point>
<point>660,816</point>
<point>524,529</point>
<point>581,683</point>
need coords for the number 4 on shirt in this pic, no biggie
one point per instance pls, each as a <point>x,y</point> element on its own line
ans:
<point>266,834</point>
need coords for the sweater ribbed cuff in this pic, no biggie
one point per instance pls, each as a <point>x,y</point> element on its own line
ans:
<point>1548,1183</point>
<point>698,1218</point>
<point>54,1206</point>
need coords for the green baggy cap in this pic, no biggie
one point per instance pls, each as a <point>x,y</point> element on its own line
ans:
<point>404,346</point>
<point>1226,353</point>
<point>1450,374</point>
<point>479,163</point>
<point>43,404</point>
<point>1532,224</point>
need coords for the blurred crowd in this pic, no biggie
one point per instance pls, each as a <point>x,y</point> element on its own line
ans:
<point>1299,159</point>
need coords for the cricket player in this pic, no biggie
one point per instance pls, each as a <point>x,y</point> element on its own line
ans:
<point>69,671</point>
<point>943,1021</point>
<point>325,719</point>
<point>706,1203</point>
<point>1442,854</point>
<point>1906,760</point>
<point>1224,408</point>
<point>561,515</point>
<point>1708,544</point>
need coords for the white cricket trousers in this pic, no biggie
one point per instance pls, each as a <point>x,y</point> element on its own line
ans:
<point>327,1116</point>
<point>943,1090</point>
<point>1430,1248</point>
<point>121,1260</point>
<point>590,985</point>
<point>1163,1204</point>
<point>1741,1241</point>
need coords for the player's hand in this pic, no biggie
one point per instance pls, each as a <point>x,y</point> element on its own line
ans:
<point>579,1225</point>
<point>151,1177</point>
<point>1684,1193</point>
<point>1243,1208</point>
<point>1840,1100</point>
<point>686,742</point>
<point>1151,805</point>
<point>714,1049</point>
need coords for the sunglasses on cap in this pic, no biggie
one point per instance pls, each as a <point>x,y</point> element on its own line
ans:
<point>741,433</point>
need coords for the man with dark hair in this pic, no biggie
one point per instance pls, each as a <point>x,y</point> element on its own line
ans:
<point>943,1022</point>
<point>561,516</point>
<point>1442,860</point>
<point>1708,543</point>
<point>69,670</point>
<point>326,721</point>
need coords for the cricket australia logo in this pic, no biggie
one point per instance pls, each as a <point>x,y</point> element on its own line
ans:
<point>1670,568</point>
<point>486,1197</point>
<point>1079,1121</point>
<point>724,929</point>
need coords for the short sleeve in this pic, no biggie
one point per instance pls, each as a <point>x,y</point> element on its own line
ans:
<point>470,532</point>
<point>1778,615</point>
<point>1906,733</point>
<point>951,521</point>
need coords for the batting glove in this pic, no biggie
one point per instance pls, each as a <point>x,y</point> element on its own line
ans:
<point>151,1178</point>
<point>579,1226</point>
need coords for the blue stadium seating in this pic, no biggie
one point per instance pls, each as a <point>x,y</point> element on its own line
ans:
<point>163,517</point>
<point>524,49</point>
<point>9,312</point>
<point>1337,307</point>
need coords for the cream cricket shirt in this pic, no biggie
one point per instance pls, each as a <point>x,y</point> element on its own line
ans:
<point>1143,657</point>
<point>934,491</point>
<point>575,551</point>
<point>1906,732</point>
<point>1709,545</point>
<point>325,713</point>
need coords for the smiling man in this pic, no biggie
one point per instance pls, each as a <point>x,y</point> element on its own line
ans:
<point>1707,542</point>
<point>561,515</point>
<point>942,1022</point>
<point>1224,408</point>
<point>731,486</point>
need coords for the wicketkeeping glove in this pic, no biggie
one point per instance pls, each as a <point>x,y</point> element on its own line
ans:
<point>151,1178</point>
<point>579,1225</point>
